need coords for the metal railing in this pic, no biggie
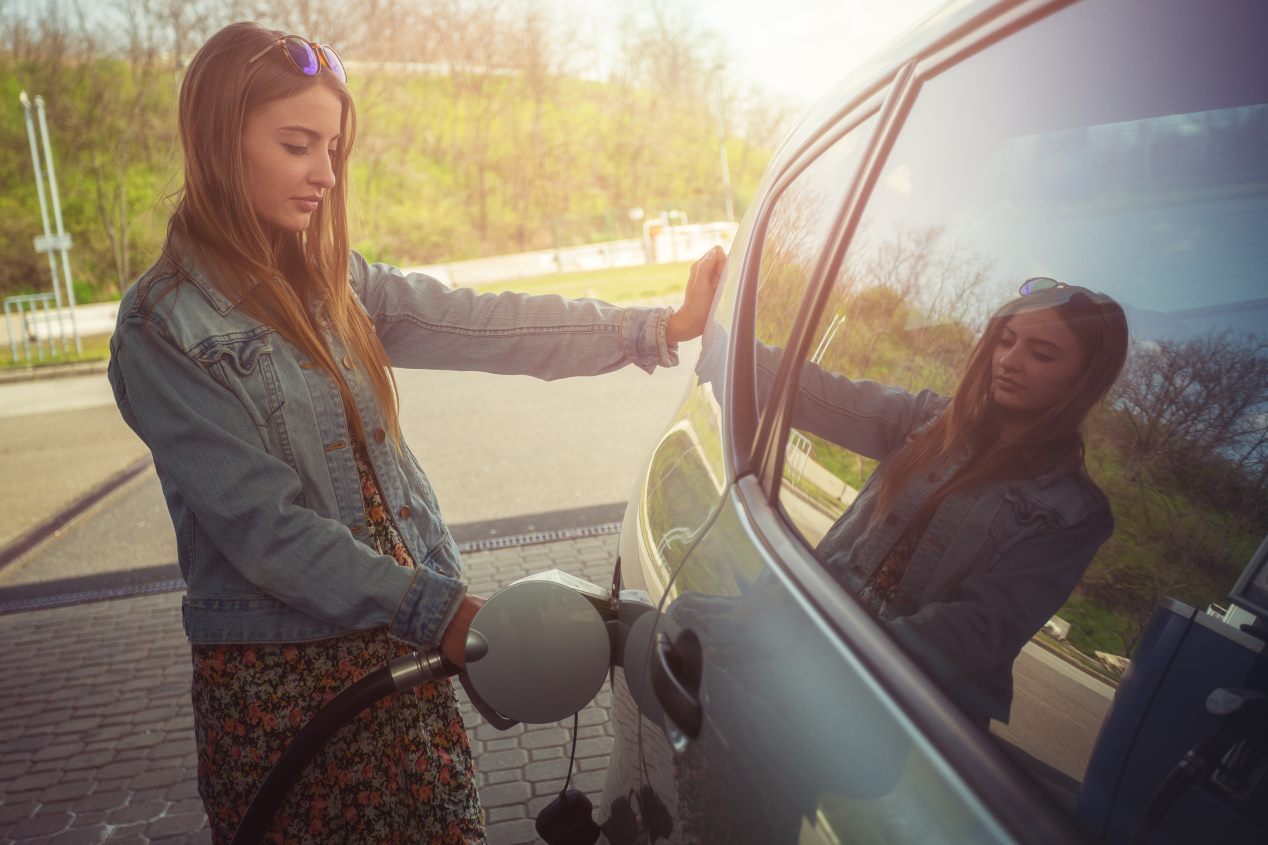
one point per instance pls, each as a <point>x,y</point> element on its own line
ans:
<point>28,309</point>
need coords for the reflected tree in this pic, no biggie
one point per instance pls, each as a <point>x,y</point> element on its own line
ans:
<point>1183,446</point>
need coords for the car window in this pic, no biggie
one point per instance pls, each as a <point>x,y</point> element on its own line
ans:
<point>1084,150</point>
<point>797,231</point>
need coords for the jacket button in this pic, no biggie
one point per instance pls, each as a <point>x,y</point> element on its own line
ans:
<point>379,435</point>
<point>358,528</point>
<point>347,361</point>
<point>405,512</point>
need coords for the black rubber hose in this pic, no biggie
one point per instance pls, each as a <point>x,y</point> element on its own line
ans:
<point>311,738</point>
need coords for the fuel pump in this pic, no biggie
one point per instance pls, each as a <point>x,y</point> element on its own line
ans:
<point>1183,755</point>
<point>537,652</point>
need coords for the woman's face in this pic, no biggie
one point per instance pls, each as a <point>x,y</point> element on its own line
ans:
<point>289,146</point>
<point>1035,363</point>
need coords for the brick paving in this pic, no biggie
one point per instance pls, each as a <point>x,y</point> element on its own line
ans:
<point>97,740</point>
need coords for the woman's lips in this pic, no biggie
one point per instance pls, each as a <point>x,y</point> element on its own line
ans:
<point>307,204</point>
<point>1007,384</point>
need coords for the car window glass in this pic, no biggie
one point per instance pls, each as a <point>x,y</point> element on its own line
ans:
<point>798,229</point>
<point>1054,153</point>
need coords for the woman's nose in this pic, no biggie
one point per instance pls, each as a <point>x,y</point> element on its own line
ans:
<point>323,174</point>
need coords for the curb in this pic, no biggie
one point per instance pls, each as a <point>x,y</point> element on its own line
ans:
<point>76,368</point>
<point>160,580</point>
<point>35,535</point>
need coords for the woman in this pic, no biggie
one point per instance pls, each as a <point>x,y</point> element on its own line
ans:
<point>254,360</point>
<point>980,518</point>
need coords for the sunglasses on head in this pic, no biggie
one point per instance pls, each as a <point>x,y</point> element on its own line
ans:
<point>1035,284</point>
<point>307,57</point>
<point>1074,296</point>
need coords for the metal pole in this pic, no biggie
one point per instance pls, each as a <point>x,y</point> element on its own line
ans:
<point>39,189</point>
<point>48,326</point>
<point>726,184</point>
<point>8,328</point>
<point>57,215</point>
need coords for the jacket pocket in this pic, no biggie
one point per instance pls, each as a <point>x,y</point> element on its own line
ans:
<point>1019,517</point>
<point>242,363</point>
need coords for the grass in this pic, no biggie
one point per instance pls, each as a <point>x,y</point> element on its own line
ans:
<point>618,285</point>
<point>96,348</point>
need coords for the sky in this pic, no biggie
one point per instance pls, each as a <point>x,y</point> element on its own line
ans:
<point>794,48</point>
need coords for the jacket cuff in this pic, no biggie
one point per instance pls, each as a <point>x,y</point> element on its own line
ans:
<point>427,608</point>
<point>645,337</point>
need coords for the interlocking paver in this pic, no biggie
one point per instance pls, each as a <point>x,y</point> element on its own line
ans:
<point>511,758</point>
<point>40,824</point>
<point>540,738</point>
<point>515,792</point>
<point>16,811</point>
<point>99,694</point>
<point>137,811</point>
<point>80,836</point>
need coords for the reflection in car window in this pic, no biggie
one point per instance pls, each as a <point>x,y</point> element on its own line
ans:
<point>798,230</point>
<point>1138,178</point>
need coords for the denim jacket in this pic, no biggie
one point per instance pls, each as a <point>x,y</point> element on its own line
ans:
<point>993,564</point>
<point>251,442</point>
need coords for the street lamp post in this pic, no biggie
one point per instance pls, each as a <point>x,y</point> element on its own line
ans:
<point>39,189</point>
<point>726,167</point>
<point>63,240</point>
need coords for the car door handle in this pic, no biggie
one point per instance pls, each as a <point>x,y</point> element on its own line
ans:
<point>676,669</point>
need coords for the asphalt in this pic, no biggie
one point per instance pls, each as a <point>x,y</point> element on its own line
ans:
<point>96,732</point>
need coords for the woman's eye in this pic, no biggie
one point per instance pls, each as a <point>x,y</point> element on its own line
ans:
<point>1044,358</point>
<point>296,151</point>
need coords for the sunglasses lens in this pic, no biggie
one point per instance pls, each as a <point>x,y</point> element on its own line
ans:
<point>302,55</point>
<point>1037,284</point>
<point>336,66</point>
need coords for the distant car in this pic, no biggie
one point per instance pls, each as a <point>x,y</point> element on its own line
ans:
<point>1119,145</point>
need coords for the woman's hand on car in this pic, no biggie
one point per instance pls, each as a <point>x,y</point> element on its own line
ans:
<point>453,643</point>
<point>688,321</point>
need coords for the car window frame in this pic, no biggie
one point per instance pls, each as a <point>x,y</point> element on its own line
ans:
<point>744,423</point>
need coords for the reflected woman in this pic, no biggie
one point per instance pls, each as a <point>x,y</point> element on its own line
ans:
<point>980,517</point>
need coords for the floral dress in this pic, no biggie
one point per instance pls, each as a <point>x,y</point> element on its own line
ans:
<point>401,771</point>
<point>881,590</point>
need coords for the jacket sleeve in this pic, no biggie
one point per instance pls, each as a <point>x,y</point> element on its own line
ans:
<point>992,614</point>
<point>207,446</point>
<point>424,324</point>
<point>866,417</point>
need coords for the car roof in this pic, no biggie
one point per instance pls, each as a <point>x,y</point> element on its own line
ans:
<point>920,38</point>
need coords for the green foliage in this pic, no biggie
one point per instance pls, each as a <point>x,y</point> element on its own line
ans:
<point>446,166</point>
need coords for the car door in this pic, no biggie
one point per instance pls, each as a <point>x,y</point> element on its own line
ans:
<point>785,713</point>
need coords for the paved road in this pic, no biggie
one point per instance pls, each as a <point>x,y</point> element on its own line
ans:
<point>495,447</point>
<point>1057,711</point>
<point>58,438</point>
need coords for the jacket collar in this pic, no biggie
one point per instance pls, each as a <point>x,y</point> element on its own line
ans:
<point>185,259</point>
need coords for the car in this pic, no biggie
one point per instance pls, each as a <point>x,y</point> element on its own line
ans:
<point>1119,145</point>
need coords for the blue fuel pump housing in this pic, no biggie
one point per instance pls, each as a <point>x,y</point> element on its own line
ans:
<point>1171,724</point>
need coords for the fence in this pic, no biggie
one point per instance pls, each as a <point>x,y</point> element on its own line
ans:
<point>29,311</point>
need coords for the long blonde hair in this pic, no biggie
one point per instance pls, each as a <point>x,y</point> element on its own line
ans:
<point>215,218</point>
<point>971,422</point>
